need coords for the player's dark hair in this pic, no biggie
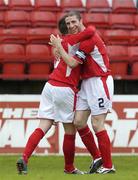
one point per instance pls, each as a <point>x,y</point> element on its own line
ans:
<point>74,13</point>
<point>62,26</point>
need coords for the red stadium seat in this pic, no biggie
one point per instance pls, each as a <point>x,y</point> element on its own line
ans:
<point>123,6</point>
<point>13,35</point>
<point>133,53</point>
<point>2,22</point>
<point>24,5</point>
<point>3,5</point>
<point>17,19</point>
<point>100,20</point>
<point>39,61</point>
<point>134,37</point>
<point>43,19</point>
<point>39,35</point>
<point>13,59</point>
<point>122,21</point>
<point>117,36</point>
<point>46,5</point>
<point>98,6</point>
<point>119,60</point>
<point>60,15</point>
<point>119,69</point>
<point>134,69</point>
<point>136,21</point>
<point>118,53</point>
<point>76,5</point>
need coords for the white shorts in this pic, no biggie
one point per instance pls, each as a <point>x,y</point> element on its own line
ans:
<point>57,103</point>
<point>96,95</point>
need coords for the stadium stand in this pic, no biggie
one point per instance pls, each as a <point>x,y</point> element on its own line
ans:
<point>3,5</point>
<point>123,6</point>
<point>43,19</point>
<point>67,5</point>
<point>39,61</point>
<point>117,36</point>
<point>121,21</point>
<point>39,35</point>
<point>133,53</point>
<point>17,19</point>
<point>119,60</point>
<point>12,57</point>
<point>136,21</point>
<point>98,6</point>
<point>2,23</point>
<point>24,5</point>
<point>134,37</point>
<point>100,20</point>
<point>15,35</point>
<point>47,5</point>
<point>28,24</point>
<point>134,70</point>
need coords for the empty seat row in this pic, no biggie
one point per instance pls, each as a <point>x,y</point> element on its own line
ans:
<point>41,52</point>
<point>30,62</point>
<point>35,61</point>
<point>123,70</point>
<point>127,6</point>
<point>26,35</point>
<point>123,53</point>
<point>50,19</point>
<point>114,21</point>
<point>18,52</point>
<point>40,35</point>
<point>22,18</point>
<point>123,61</point>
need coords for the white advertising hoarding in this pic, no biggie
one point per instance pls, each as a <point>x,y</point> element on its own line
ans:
<point>18,119</point>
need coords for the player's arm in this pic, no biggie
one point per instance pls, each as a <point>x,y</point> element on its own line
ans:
<point>82,36</point>
<point>85,48</point>
<point>69,60</point>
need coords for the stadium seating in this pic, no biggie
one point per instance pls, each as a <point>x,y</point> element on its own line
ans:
<point>13,61</point>
<point>43,19</point>
<point>117,52</point>
<point>133,53</point>
<point>39,35</point>
<point>100,20</point>
<point>2,22</point>
<point>136,21</point>
<point>17,19</point>
<point>119,70</point>
<point>122,21</point>
<point>98,6</point>
<point>39,61</point>
<point>134,37</point>
<point>47,5</point>
<point>123,6</point>
<point>24,5</point>
<point>3,5</point>
<point>134,69</point>
<point>27,25</point>
<point>117,36</point>
<point>119,60</point>
<point>13,35</point>
<point>67,5</point>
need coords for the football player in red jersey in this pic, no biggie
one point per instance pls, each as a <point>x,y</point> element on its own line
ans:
<point>96,91</point>
<point>57,103</point>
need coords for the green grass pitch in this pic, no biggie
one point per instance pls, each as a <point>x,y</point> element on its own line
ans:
<point>51,168</point>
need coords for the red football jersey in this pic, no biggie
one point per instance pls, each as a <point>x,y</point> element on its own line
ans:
<point>62,72</point>
<point>93,54</point>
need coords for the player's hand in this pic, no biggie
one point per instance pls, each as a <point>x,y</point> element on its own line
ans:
<point>55,41</point>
